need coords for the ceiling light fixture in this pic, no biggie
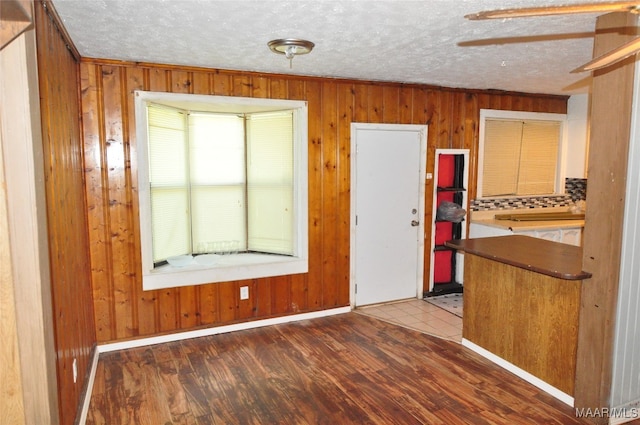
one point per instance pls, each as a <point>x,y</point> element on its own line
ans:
<point>290,47</point>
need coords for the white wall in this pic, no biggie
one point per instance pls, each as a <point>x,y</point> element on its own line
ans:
<point>578,136</point>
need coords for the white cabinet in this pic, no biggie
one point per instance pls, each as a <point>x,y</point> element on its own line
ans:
<point>483,231</point>
<point>568,235</point>
<point>549,234</point>
<point>572,236</point>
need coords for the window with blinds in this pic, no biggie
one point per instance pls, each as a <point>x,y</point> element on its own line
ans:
<point>520,157</point>
<point>217,178</point>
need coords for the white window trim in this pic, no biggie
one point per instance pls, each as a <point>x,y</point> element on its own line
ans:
<point>520,115</point>
<point>229,267</point>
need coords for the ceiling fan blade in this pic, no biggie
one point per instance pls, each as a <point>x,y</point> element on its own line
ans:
<point>609,58</point>
<point>616,6</point>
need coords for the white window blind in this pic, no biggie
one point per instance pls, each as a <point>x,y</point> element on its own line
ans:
<point>169,183</point>
<point>520,157</point>
<point>538,157</point>
<point>270,187</point>
<point>217,156</point>
<point>213,187</point>
<point>501,157</point>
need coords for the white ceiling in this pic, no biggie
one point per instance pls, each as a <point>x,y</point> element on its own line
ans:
<point>418,41</point>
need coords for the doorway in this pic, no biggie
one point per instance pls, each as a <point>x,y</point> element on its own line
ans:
<point>388,165</point>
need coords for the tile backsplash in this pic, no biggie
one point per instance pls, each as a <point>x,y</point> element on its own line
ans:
<point>575,190</point>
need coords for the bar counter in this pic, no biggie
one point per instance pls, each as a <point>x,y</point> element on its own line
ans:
<point>539,255</point>
<point>521,305</point>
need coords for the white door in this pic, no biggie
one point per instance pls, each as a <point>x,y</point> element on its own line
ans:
<point>387,238</point>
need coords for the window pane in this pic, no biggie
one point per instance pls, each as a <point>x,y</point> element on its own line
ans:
<point>270,182</point>
<point>218,215</point>
<point>501,157</point>
<point>538,158</point>
<point>217,156</point>
<point>271,220</point>
<point>216,149</point>
<point>169,183</point>
<point>167,147</point>
<point>170,223</point>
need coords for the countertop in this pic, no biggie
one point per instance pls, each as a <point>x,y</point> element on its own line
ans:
<point>486,218</point>
<point>539,255</point>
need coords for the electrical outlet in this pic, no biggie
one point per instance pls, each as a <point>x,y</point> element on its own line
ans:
<point>75,370</point>
<point>244,292</point>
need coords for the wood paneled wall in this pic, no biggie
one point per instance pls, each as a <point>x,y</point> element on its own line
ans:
<point>123,310</point>
<point>68,238</point>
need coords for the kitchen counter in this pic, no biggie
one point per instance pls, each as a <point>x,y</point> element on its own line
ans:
<point>521,307</point>
<point>539,255</point>
<point>487,218</point>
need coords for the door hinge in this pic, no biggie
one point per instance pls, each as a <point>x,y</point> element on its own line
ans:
<point>356,220</point>
<point>356,288</point>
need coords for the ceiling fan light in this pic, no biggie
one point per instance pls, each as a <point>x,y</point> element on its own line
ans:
<point>290,46</point>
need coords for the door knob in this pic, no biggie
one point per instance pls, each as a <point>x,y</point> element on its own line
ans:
<point>415,223</point>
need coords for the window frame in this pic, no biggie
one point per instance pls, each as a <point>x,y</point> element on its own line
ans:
<point>232,267</point>
<point>497,114</point>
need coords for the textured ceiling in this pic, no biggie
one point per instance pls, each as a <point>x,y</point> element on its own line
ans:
<point>420,41</point>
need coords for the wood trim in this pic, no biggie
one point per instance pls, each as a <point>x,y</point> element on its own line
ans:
<point>518,105</point>
<point>28,230</point>
<point>608,149</point>
<point>16,17</point>
<point>11,393</point>
<point>51,12</point>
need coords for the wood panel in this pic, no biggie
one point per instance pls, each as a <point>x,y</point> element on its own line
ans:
<point>107,90</point>
<point>13,131</point>
<point>16,18</point>
<point>611,112</point>
<point>346,369</point>
<point>68,240</point>
<point>526,318</point>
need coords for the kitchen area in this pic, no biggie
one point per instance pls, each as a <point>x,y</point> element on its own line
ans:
<point>558,224</point>
<point>523,271</point>
<point>563,316</point>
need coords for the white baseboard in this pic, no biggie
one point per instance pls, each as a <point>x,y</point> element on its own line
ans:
<point>560,395</point>
<point>87,395</point>
<point>219,330</point>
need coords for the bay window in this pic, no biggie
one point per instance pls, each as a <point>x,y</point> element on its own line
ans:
<point>224,178</point>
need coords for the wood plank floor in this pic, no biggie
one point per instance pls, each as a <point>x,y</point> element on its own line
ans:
<point>345,369</point>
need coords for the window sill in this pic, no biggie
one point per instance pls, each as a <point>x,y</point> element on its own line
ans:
<point>227,268</point>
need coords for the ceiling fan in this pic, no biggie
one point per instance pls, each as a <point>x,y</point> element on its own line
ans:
<point>630,48</point>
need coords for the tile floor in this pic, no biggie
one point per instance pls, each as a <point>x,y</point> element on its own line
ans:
<point>418,315</point>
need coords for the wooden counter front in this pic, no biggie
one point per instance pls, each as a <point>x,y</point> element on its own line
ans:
<point>521,303</point>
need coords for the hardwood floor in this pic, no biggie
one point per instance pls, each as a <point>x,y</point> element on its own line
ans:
<point>345,369</point>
